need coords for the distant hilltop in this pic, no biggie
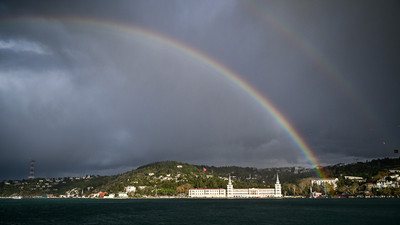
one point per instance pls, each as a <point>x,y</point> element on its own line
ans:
<point>171,178</point>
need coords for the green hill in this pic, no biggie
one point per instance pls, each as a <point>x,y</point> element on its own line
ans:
<point>368,170</point>
<point>175,178</point>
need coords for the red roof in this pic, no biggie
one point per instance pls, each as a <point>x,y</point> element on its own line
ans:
<point>101,195</point>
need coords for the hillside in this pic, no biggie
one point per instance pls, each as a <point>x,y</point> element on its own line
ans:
<point>175,178</point>
<point>368,170</point>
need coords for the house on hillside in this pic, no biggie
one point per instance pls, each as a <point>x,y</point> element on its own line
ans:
<point>353,178</point>
<point>383,183</point>
<point>322,181</point>
<point>130,189</point>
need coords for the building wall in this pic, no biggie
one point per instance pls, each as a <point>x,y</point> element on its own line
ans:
<point>231,192</point>
<point>331,181</point>
<point>207,193</point>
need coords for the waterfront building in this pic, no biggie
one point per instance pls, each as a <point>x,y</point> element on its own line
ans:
<point>315,194</point>
<point>207,193</point>
<point>122,195</point>
<point>231,192</point>
<point>112,195</point>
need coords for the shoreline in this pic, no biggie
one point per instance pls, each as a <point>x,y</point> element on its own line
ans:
<point>172,197</point>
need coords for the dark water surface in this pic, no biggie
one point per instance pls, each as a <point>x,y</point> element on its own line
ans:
<point>192,211</point>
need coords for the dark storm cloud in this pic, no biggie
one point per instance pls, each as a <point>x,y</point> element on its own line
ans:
<point>80,99</point>
<point>115,102</point>
<point>359,42</point>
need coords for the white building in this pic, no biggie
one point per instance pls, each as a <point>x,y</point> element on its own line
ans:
<point>315,194</point>
<point>321,181</point>
<point>130,189</point>
<point>207,193</point>
<point>110,196</point>
<point>231,192</point>
<point>383,183</point>
<point>353,178</point>
<point>122,195</point>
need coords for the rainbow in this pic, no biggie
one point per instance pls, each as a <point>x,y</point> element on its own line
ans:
<point>254,94</point>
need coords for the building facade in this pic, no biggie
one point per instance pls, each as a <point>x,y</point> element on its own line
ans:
<point>231,192</point>
<point>322,181</point>
<point>130,189</point>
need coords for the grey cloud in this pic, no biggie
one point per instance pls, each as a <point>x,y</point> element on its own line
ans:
<point>120,102</point>
<point>80,99</point>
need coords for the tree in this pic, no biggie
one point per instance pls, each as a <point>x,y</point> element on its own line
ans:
<point>386,192</point>
<point>304,186</point>
<point>184,188</point>
<point>289,189</point>
<point>353,189</point>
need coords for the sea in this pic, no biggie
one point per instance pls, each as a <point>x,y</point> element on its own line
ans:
<point>200,211</point>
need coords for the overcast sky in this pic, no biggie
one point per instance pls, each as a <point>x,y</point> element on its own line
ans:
<point>95,98</point>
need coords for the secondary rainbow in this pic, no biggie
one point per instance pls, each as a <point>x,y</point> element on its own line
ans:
<point>254,94</point>
<point>322,63</point>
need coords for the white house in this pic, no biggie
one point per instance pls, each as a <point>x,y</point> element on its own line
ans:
<point>122,195</point>
<point>130,189</point>
<point>383,183</point>
<point>110,196</point>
